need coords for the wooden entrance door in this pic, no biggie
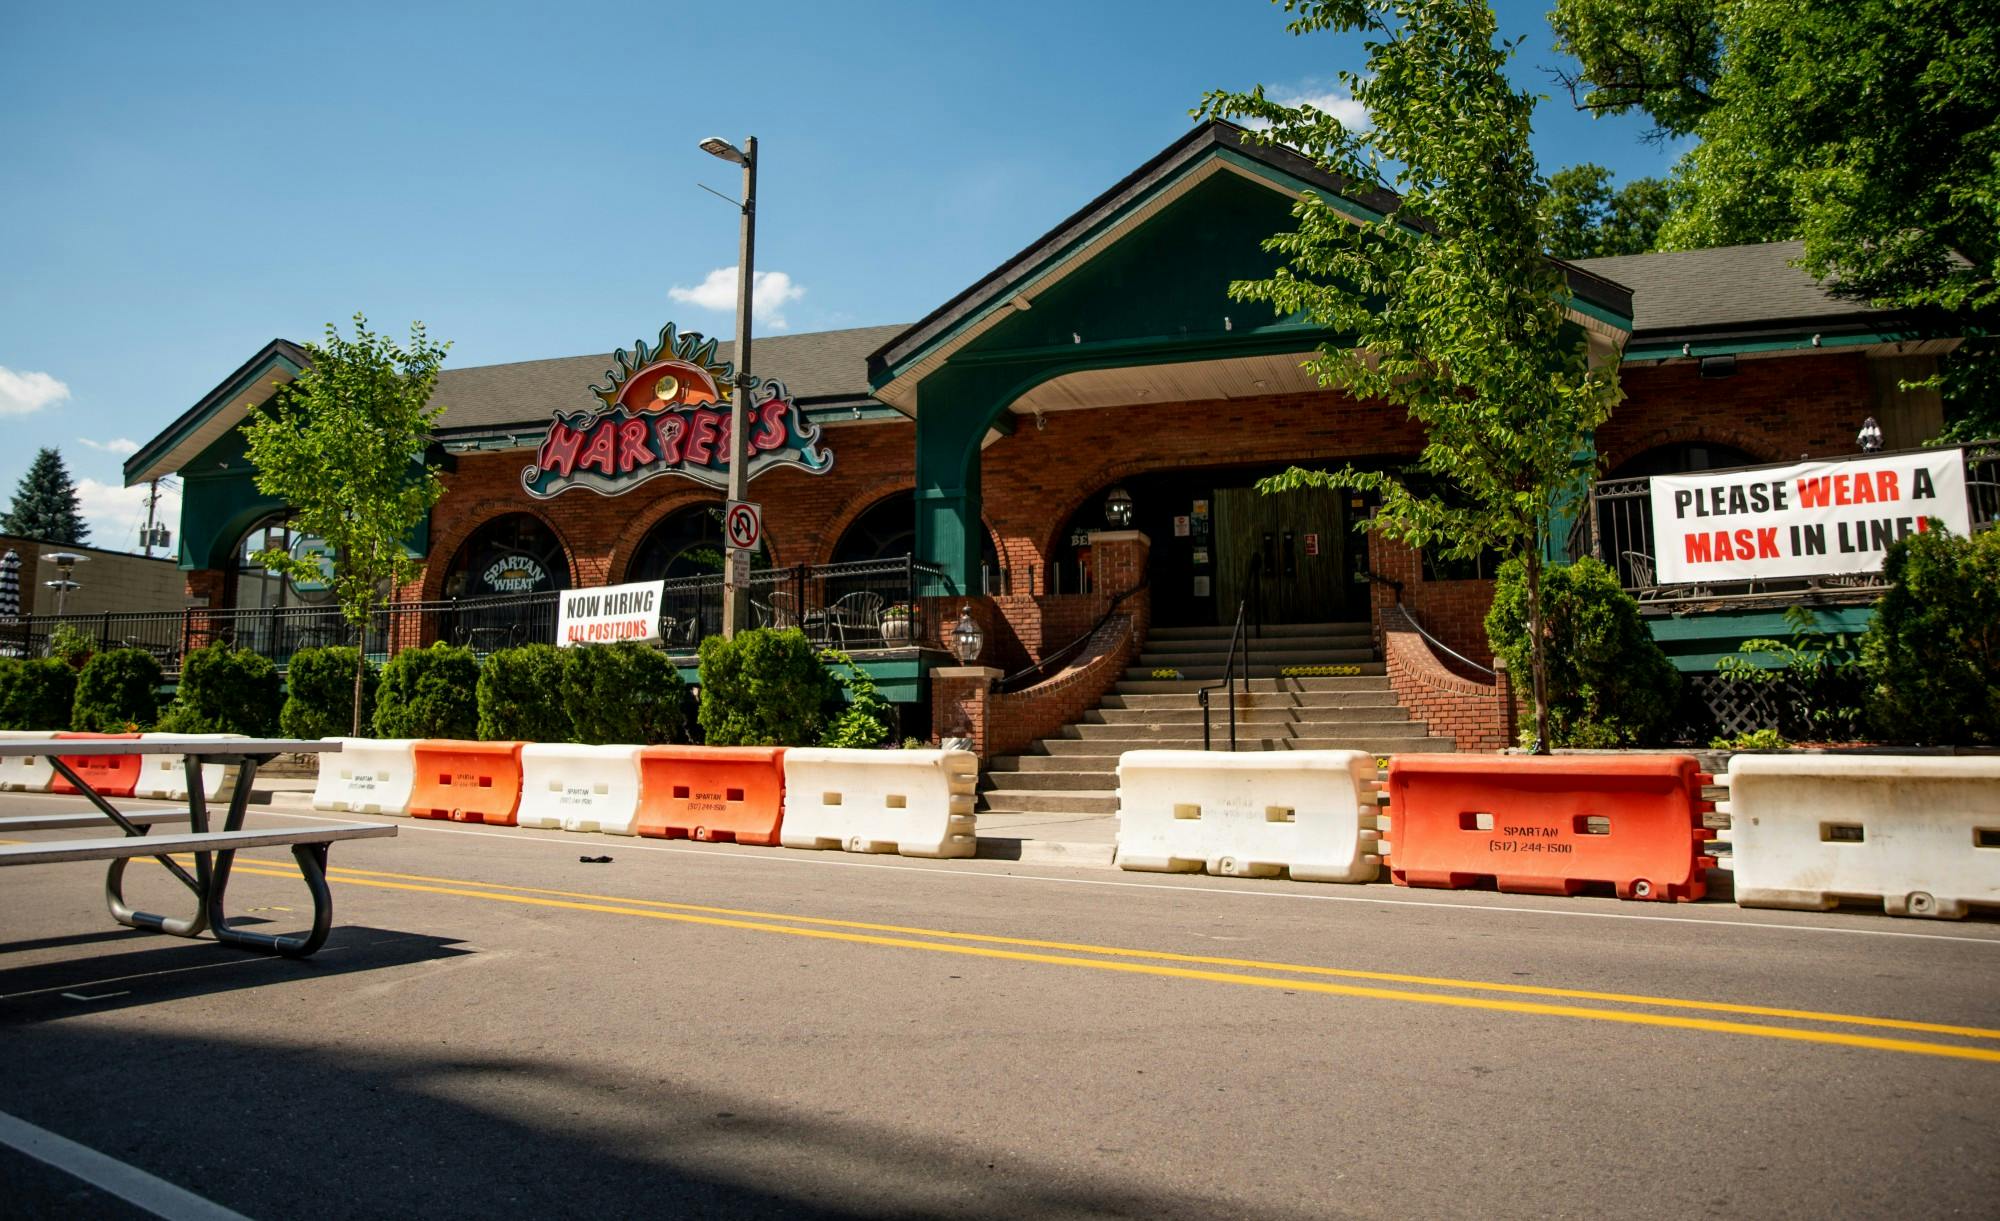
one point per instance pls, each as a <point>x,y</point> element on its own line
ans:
<point>1296,543</point>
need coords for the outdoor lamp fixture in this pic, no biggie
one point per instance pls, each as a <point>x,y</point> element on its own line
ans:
<point>1118,507</point>
<point>65,562</point>
<point>736,561</point>
<point>1870,436</point>
<point>966,638</point>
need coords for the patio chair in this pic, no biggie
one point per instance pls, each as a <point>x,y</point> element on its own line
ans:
<point>783,611</point>
<point>1646,589</point>
<point>858,616</point>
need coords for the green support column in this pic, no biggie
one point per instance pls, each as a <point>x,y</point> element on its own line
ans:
<point>1569,504</point>
<point>949,431</point>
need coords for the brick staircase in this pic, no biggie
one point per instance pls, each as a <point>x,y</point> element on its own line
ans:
<point>1075,772</point>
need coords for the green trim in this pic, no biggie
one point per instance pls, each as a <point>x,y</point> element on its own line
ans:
<point>223,395</point>
<point>1696,643</point>
<point>1737,347</point>
<point>1588,310</point>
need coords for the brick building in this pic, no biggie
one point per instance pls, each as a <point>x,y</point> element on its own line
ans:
<point>1094,407</point>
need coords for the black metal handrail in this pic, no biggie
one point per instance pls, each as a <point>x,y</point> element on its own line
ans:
<point>1442,647</point>
<point>1253,603</point>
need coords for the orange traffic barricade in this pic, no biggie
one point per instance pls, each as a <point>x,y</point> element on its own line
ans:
<point>467,781</point>
<point>110,775</point>
<point>730,793</point>
<point>1550,825</point>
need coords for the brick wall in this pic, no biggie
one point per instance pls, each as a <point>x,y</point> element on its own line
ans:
<point>1477,715</point>
<point>1776,410</point>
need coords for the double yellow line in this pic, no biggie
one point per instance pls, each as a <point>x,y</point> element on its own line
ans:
<point>1294,977</point>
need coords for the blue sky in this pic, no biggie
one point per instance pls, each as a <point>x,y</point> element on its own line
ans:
<point>185,182</point>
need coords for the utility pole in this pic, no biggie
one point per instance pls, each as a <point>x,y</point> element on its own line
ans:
<point>152,499</point>
<point>735,593</point>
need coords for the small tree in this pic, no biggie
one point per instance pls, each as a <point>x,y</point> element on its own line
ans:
<point>225,690</point>
<point>1455,312</point>
<point>117,690</point>
<point>343,446</point>
<point>319,693</point>
<point>45,504</point>
<point>429,693</point>
<point>1932,651</point>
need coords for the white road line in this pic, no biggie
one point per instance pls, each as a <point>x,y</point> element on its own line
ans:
<point>108,1174</point>
<point>616,844</point>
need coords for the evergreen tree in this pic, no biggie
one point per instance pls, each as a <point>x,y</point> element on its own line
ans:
<point>45,504</point>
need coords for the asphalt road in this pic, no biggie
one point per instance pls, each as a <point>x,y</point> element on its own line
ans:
<point>706,1030</point>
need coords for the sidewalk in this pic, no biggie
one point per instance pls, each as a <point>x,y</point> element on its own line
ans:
<point>1045,839</point>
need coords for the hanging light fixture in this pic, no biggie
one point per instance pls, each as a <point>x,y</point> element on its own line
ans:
<point>966,638</point>
<point>1118,507</point>
<point>1870,436</point>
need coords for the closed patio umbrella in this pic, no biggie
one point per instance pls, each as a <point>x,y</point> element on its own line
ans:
<point>10,584</point>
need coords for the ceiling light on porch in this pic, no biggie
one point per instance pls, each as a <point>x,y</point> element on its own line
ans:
<point>1118,507</point>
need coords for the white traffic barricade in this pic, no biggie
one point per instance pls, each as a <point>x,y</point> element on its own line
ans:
<point>25,774</point>
<point>1920,833</point>
<point>165,776</point>
<point>1311,813</point>
<point>579,788</point>
<point>367,776</point>
<point>915,802</point>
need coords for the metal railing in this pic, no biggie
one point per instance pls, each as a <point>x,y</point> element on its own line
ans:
<point>870,604</point>
<point>1618,530</point>
<point>1251,604</point>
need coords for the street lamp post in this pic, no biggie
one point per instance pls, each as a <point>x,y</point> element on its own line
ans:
<point>65,562</point>
<point>735,593</point>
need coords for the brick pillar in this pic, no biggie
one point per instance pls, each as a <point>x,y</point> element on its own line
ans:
<point>962,705</point>
<point>1118,560</point>
<point>1503,691</point>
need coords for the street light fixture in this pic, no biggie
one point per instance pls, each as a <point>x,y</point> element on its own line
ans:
<point>735,592</point>
<point>1118,508</point>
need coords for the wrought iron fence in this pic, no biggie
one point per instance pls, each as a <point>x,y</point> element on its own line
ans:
<point>1618,530</point>
<point>872,604</point>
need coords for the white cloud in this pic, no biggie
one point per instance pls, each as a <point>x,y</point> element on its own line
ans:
<point>769,296</point>
<point>117,445</point>
<point>1352,114</point>
<point>116,513</point>
<point>21,393</point>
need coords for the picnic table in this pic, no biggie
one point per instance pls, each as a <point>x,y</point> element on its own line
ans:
<point>214,850</point>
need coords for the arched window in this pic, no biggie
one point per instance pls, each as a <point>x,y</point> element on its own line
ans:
<point>514,554</point>
<point>887,530</point>
<point>685,543</point>
<point>258,588</point>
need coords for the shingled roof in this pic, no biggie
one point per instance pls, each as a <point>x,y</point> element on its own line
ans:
<point>819,368</point>
<point>1727,288</point>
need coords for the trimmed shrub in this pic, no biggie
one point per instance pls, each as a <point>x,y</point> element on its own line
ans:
<point>225,690</point>
<point>116,690</point>
<point>764,688</point>
<point>1932,652</point>
<point>319,694</point>
<point>429,693</point>
<point>521,695</point>
<point>1609,684</point>
<point>866,719</point>
<point>623,693</point>
<point>70,645</point>
<point>36,694</point>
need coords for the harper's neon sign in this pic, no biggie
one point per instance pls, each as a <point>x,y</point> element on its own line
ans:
<point>667,413</point>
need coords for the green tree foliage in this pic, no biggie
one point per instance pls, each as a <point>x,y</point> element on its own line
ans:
<point>343,446</point>
<point>225,690</point>
<point>1868,128</point>
<point>1454,311</point>
<point>116,690</point>
<point>37,694</point>
<point>521,696</point>
<point>1609,683</point>
<point>1587,219</point>
<point>866,718</point>
<point>45,505</point>
<point>1817,677</point>
<point>764,688</point>
<point>71,645</point>
<point>1932,650</point>
<point>624,693</point>
<point>429,693</point>
<point>319,693</point>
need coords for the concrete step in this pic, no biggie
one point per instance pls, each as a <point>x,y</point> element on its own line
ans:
<point>1370,679</point>
<point>1391,744</point>
<point>1204,631</point>
<point>1220,725</point>
<point>1356,696</point>
<point>1259,656</point>
<point>1010,764</point>
<point>1049,801</point>
<point>1140,717</point>
<point>1200,675</point>
<point>1069,782</point>
<point>1275,646</point>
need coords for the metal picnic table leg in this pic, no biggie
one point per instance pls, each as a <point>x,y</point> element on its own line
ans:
<point>311,859</point>
<point>114,878</point>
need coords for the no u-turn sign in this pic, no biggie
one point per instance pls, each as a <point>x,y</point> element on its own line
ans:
<point>743,524</point>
